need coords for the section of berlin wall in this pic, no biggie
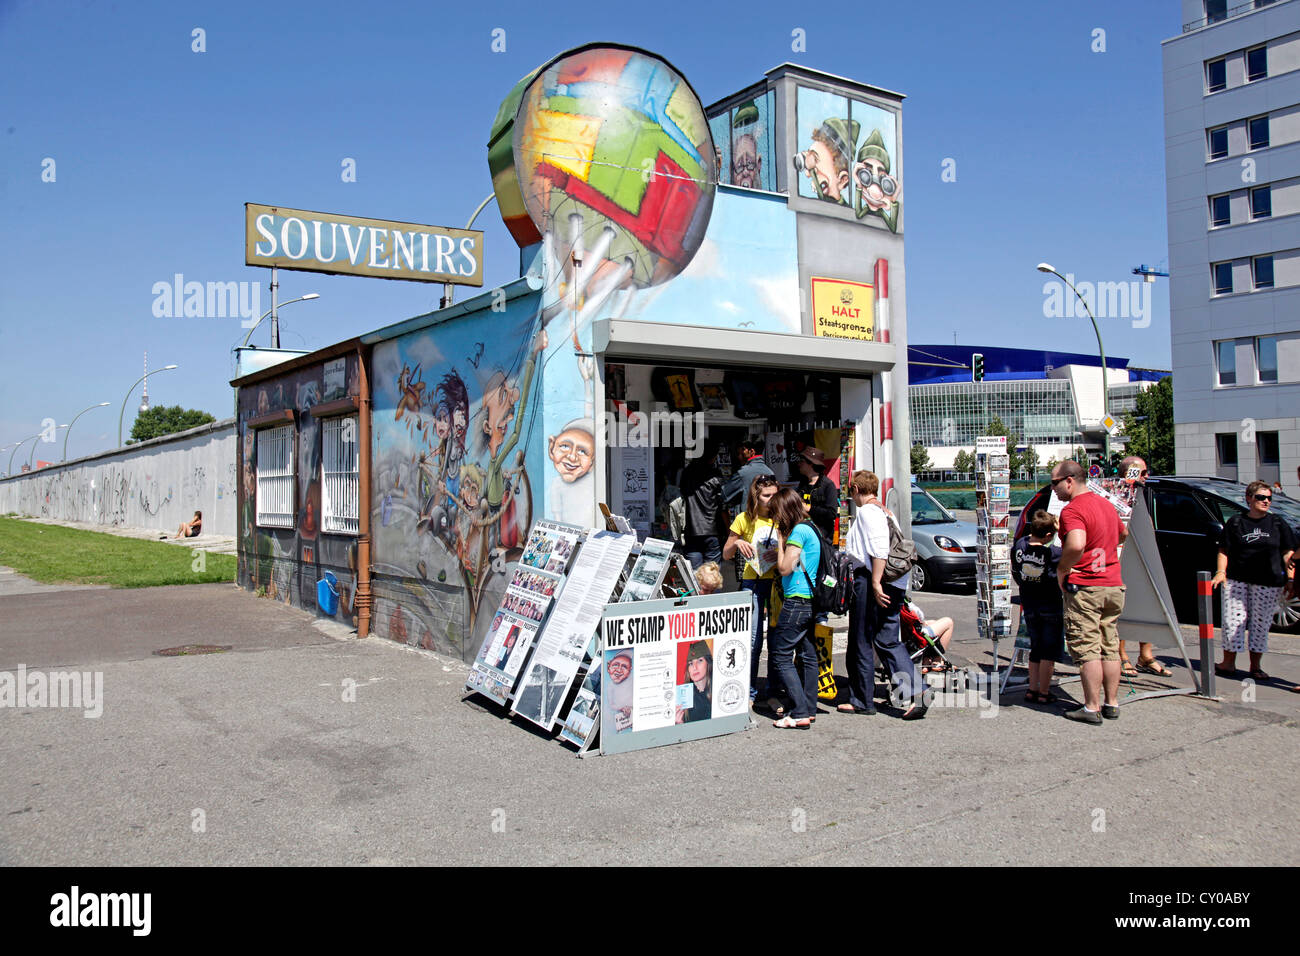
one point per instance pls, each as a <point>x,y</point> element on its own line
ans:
<point>155,484</point>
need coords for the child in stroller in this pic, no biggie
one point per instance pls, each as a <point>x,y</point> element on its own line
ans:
<point>926,641</point>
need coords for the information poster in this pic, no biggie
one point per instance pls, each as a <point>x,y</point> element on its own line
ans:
<point>512,633</point>
<point>550,546</point>
<point>563,644</point>
<point>633,485</point>
<point>673,671</point>
<point>648,573</point>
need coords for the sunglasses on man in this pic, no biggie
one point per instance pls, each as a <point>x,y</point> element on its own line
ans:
<point>1263,497</point>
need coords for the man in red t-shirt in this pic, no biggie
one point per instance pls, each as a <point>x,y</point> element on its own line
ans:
<point>1091,532</point>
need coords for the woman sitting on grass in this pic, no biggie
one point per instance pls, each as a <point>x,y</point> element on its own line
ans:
<point>191,529</point>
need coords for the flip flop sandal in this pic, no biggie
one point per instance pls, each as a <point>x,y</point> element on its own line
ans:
<point>1154,667</point>
<point>1258,676</point>
<point>1127,669</point>
<point>1221,671</point>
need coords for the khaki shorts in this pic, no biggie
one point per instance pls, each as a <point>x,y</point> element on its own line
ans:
<point>1091,618</point>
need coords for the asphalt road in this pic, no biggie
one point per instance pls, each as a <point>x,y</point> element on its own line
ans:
<point>298,747</point>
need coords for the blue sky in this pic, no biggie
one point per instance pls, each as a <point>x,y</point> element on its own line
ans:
<point>1058,155</point>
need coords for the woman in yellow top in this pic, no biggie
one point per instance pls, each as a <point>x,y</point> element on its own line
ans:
<point>753,535</point>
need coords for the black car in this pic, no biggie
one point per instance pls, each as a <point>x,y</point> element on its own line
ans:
<point>1189,514</point>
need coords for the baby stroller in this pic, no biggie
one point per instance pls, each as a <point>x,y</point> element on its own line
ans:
<point>920,641</point>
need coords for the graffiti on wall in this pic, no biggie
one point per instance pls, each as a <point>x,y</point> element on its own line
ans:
<point>287,563</point>
<point>158,487</point>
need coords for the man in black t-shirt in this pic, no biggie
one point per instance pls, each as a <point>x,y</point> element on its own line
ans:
<point>820,497</point>
<point>1255,553</point>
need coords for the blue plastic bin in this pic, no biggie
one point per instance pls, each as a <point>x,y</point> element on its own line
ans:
<point>327,594</point>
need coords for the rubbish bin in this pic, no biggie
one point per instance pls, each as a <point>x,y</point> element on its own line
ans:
<point>327,594</point>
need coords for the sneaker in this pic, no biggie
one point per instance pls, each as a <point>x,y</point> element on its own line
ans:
<point>1110,711</point>
<point>1083,715</point>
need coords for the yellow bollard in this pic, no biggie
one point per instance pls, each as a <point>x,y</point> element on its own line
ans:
<point>824,639</point>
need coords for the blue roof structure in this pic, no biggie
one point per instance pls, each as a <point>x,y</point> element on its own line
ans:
<point>1004,364</point>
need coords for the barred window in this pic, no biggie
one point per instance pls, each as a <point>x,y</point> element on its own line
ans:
<point>340,484</point>
<point>275,477</point>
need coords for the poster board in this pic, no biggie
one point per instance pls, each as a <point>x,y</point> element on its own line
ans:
<point>647,575</point>
<point>563,644</point>
<point>513,631</point>
<point>1148,606</point>
<point>632,485</point>
<point>650,664</point>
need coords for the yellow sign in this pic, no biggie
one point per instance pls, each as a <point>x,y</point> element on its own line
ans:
<point>844,310</point>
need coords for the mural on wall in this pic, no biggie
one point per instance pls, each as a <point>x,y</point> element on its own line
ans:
<point>744,276</point>
<point>286,563</point>
<point>485,423</point>
<point>744,149</point>
<point>455,428</point>
<point>848,155</point>
<point>612,159</point>
<point>156,487</point>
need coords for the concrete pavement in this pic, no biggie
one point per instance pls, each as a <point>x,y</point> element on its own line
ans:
<point>300,747</point>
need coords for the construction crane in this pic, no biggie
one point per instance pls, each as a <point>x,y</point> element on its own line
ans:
<point>1149,273</point>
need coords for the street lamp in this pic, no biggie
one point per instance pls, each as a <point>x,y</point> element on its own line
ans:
<point>275,338</point>
<point>10,470</point>
<point>1105,392</point>
<point>31,456</point>
<point>122,414</point>
<point>74,421</point>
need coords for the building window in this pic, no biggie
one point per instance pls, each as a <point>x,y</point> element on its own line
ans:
<point>1258,128</point>
<point>1216,75</point>
<point>1218,139</point>
<point>1220,210</point>
<point>1261,202</point>
<point>1226,352</point>
<point>1222,278</point>
<point>275,478</point>
<point>340,482</point>
<point>1256,64</point>
<point>1216,10</point>
<point>1225,451</point>
<point>1263,269</point>
<point>1266,358</point>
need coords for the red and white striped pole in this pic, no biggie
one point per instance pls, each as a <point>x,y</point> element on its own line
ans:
<point>1205,603</point>
<point>882,330</point>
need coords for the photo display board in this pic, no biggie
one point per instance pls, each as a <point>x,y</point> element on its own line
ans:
<point>563,644</point>
<point>671,671</point>
<point>533,585</point>
<point>993,531</point>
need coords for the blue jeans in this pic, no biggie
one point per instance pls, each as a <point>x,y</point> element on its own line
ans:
<point>794,632</point>
<point>702,548</point>
<point>761,589</point>
<point>889,645</point>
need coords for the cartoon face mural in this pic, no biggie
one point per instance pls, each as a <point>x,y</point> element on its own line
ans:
<point>745,148</point>
<point>848,155</point>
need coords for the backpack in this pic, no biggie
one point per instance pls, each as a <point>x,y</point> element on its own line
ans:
<point>832,592</point>
<point>902,553</point>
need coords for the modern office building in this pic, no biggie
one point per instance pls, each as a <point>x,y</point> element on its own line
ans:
<point>1051,399</point>
<point>1232,165</point>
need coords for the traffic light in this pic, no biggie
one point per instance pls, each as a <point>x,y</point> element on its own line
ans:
<point>977,367</point>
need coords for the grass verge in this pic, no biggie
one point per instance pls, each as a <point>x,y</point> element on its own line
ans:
<point>55,555</point>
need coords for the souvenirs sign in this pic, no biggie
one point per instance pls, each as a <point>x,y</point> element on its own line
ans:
<point>347,245</point>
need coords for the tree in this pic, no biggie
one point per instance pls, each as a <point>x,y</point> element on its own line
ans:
<point>1019,461</point>
<point>920,459</point>
<point>1153,438</point>
<point>964,463</point>
<point>166,420</point>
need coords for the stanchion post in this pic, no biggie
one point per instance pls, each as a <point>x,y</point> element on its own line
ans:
<point>1205,603</point>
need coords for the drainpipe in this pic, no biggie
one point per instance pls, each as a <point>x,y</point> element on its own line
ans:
<point>363,537</point>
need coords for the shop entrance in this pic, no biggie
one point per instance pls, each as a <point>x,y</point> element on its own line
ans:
<point>664,417</point>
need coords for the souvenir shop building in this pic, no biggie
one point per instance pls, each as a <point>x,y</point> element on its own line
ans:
<point>691,276</point>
